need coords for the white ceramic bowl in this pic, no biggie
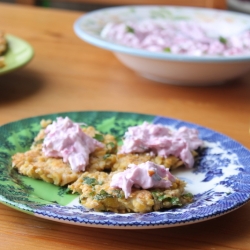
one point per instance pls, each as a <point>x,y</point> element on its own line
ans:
<point>168,67</point>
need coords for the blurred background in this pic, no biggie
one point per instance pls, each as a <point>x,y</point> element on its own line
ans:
<point>80,5</point>
<point>89,5</point>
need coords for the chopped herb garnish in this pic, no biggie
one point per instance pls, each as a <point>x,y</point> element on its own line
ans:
<point>187,196</point>
<point>106,156</point>
<point>110,146</point>
<point>99,137</point>
<point>175,201</point>
<point>130,29</point>
<point>118,193</point>
<point>91,181</point>
<point>167,50</point>
<point>155,194</point>
<point>38,142</point>
<point>162,197</point>
<point>103,195</point>
<point>223,40</point>
<point>158,196</point>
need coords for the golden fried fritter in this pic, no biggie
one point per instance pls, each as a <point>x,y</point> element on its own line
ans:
<point>94,184</point>
<point>35,164</point>
<point>96,193</point>
<point>123,160</point>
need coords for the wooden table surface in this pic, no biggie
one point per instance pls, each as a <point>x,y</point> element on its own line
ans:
<point>67,74</point>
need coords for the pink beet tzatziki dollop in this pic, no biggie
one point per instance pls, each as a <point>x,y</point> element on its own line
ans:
<point>145,175</point>
<point>65,139</point>
<point>159,140</point>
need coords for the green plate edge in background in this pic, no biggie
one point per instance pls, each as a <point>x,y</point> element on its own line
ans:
<point>18,54</point>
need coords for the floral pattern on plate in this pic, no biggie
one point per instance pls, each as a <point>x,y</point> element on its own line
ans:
<point>220,180</point>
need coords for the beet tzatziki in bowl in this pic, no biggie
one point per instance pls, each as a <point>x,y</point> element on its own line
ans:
<point>174,45</point>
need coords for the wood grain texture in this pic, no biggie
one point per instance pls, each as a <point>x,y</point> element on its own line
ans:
<point>67,74</point>
<point>25,2</point>
<point>230,231</point>
<point>218,4</point>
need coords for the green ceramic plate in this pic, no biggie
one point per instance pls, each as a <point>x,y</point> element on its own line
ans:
<point>18,54</point>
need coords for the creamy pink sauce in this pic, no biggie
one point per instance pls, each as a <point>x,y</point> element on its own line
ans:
<point>160,140</point>
<point>179,37</point>
<point>65,139</point>
<point>145,175</point>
